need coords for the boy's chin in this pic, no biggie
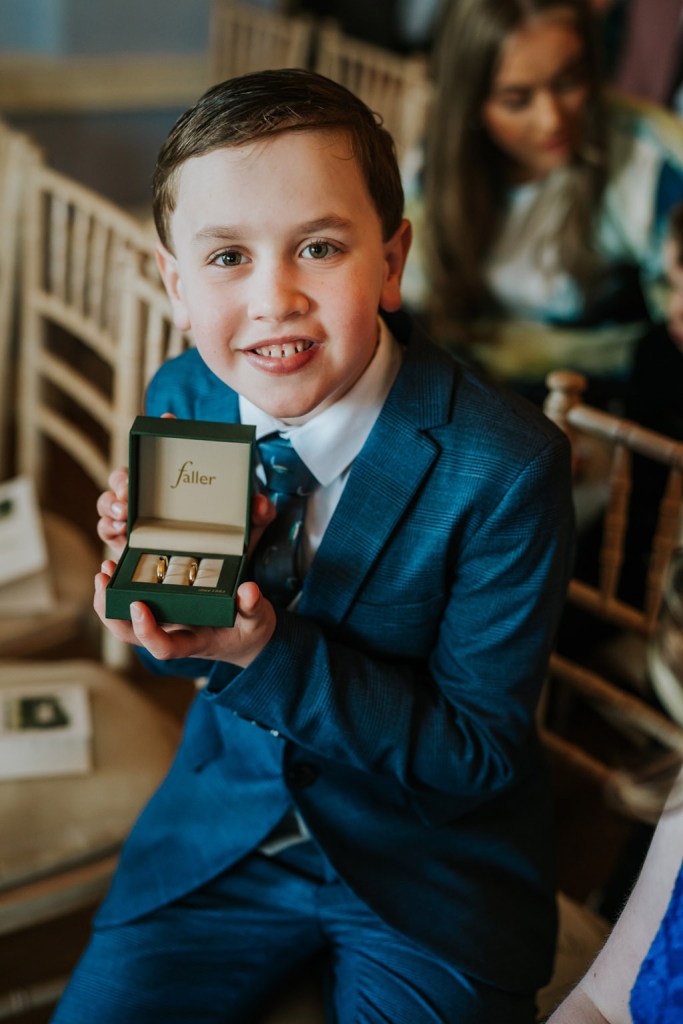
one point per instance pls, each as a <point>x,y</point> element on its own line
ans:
<point>291,413</point>
<point>289,409</point>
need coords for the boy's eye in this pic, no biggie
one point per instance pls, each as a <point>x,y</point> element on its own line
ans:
<point>229,258</point>
<point>319,250</point>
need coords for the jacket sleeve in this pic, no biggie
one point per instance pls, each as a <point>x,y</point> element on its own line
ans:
<point>459,720</point>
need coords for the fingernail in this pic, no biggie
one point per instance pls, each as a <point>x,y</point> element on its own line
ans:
<point>135,612</point>
<point>118,524</point>
<point>117,509</point>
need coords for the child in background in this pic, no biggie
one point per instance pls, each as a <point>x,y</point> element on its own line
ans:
<point>361,774</point>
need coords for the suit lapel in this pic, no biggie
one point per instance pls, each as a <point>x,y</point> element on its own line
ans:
<point>383,481</point>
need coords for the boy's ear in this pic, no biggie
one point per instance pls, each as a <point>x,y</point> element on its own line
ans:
<point>170,275</point>
<point>395,256</point>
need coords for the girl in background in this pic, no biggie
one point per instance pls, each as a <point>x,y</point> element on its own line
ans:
<point>545,198</point>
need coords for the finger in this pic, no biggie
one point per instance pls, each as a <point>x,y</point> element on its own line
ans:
<point>119,628</point>
<point>262,510</point>
<point>113,516</point>
<point>262,515</point>
<point>249,600</point>
<point>255,622</point>
<point>168,416</point>
<point>163,643</point>
<point>113,535</point>
<point>105,502</point>
<point>118,482</point>
<point>119,513</point>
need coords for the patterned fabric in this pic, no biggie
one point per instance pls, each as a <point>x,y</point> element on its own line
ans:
<point>657,996</point>
<point>288,484</point>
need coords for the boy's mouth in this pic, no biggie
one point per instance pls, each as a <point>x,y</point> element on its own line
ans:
<point>276,350</point>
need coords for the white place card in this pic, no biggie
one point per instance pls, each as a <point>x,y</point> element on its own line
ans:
<point>45,729</point>
<point>22,543</point>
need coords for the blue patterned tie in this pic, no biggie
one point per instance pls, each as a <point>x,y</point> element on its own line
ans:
<point>288,485</point>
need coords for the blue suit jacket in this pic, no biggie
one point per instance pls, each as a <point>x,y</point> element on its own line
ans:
<point>405,685</point>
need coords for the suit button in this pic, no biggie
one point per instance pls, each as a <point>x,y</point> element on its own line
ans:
<point>301,775</point>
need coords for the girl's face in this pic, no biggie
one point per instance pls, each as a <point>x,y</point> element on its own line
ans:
<point>534,112</point>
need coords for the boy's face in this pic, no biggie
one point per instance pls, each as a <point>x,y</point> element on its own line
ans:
<point>279,268</point>
<point>674,272</point>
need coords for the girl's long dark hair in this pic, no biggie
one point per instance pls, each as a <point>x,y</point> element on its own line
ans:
<point>465,173</point>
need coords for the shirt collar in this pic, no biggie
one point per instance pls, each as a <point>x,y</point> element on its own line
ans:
<point>329,442</point>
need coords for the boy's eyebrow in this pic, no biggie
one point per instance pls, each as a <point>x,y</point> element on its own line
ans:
<point>230,232</point>
<point>330,222</point>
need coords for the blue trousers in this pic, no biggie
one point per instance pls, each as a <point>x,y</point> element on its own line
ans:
<point>220,954</point>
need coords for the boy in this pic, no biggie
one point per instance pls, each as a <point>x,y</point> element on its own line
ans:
<point>360,774</point>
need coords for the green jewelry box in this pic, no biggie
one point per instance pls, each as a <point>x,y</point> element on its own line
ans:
<point>189,495</point>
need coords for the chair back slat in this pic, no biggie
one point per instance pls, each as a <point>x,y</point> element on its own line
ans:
<point>244,38</point>
<point>74,443</point>
<point>18,153</point>
<point>147,324</point>
<point>616,519</point>
<point>74,360</point>
<point>619,706</point>
<point>626,440</point>
<point>603,667</point>
<point>396,87</point>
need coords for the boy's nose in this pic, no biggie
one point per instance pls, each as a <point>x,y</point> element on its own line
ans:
<point>276,295</point>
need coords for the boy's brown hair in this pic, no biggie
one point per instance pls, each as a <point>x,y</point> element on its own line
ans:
<point>267,103</point>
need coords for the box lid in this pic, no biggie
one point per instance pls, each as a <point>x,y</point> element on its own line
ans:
<point>189,485</point>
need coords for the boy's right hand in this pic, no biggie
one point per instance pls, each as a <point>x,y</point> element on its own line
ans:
<point>112,507</point>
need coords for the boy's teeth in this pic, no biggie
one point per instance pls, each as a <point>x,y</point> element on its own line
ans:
<point>289,348</point>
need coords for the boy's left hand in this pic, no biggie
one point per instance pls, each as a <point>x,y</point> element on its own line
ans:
<point>239,644</point>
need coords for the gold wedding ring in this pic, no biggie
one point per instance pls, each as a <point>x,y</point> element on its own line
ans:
<point>193,571</point>
<point>162,567</point>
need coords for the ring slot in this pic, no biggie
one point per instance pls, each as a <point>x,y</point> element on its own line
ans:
<point>178,571</point>
<point>209,572</point>
<point>146,569</point>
